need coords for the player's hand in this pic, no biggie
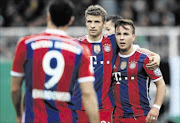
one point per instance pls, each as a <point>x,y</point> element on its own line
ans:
<point>152,115</point>
<point>154,62</point>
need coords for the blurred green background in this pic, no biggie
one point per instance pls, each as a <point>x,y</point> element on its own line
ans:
<point>7,113</point>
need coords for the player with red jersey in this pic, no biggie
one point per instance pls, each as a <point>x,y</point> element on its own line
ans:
<point>104,52</point>
<point>51,62</point>
<point>131,80</point>
<point>102,60</point>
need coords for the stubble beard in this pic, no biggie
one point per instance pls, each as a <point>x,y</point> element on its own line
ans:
<point>94,36</point>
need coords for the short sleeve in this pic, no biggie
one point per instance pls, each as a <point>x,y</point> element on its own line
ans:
<point>155,75</point>
<point>19,59</point>
<point>86,73</point>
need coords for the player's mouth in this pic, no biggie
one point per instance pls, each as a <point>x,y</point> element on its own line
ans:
<point>122,43</point>
<point>93,31</point>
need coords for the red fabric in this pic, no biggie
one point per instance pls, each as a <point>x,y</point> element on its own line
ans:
<point>133,87</point>
<point>106,76</point>
<point>105,115</point>
<point>140,119</point>
<point>40,85</point>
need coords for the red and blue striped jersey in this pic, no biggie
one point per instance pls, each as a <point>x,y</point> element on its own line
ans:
<point>103,56</point>
<point>51,63</point>
<point>131,84</point>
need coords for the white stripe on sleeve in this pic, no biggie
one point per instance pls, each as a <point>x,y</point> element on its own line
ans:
<point>155,80</point>
<point>16,74</point>
<point>86,79</point>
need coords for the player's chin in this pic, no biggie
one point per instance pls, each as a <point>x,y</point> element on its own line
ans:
<point>123,49</point>
<point>94,34</point>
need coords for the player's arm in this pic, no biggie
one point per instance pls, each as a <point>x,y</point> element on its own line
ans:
<point>90,101</point>
<point>154,59</point>
<point>16,96</point>
<point>160,94</point>
<point>17,74</point>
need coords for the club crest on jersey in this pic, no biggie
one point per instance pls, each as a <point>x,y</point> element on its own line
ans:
<point>107,47</point>
<point>157,72</point>
<point>97,49</point>
<point>132,64</point>
<point>123,65</point>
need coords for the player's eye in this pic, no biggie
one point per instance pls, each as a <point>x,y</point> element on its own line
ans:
<point>126,33</point>
<point>89,21</point>
<point>97,21</point>
<point>117,33</point>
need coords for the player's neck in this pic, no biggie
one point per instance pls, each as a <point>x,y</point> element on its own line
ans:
<point>95,38</point>
<point>52,26</point>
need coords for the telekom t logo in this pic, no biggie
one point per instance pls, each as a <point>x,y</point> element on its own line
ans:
<point>116,76</point>
<point>93,61</point>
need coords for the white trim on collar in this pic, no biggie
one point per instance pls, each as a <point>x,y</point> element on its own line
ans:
<point>56,31</point>
<point>90,41</point>
<point>125,56</point>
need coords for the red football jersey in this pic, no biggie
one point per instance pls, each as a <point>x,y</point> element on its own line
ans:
<point>51,63</point>
<point>103,56</point>
<point>131,84</point>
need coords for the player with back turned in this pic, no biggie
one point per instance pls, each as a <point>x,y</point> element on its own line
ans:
<point>50,63</point>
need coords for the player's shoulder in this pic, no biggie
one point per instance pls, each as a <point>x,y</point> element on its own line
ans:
<point>81,38</point>
<point>143,52</point>
<point>26,38</point>
<point>109,37</point>
<point>82,41</point>
<point>75,42</point>
<point>34,36</point>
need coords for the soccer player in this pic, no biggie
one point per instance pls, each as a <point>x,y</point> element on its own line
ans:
<point>104,50</point>
<point>51,62</point>
<point>131,80</point>
<point>109,29</point>
<point>110,23</point>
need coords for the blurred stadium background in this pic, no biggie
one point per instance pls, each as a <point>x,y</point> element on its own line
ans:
<point>157,28</point>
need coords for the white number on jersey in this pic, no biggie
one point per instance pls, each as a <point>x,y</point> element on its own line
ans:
<point>56,72</point>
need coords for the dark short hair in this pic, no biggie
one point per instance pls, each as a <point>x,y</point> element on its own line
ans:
<point>114,18</point>
<point>61,12</point>
<point>122,22</point>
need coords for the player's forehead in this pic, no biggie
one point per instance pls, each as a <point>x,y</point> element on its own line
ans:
<point>94,18</point>
<point>124,28</point>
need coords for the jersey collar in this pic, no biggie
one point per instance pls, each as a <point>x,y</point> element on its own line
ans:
<point>90,41</point>
<point>125,56</point>
<point>56,31</point>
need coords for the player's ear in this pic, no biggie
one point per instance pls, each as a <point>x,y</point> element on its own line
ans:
<point>134,37</point>
<point>71,20</point>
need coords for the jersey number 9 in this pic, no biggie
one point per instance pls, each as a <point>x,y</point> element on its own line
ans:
<point>56,72</point>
